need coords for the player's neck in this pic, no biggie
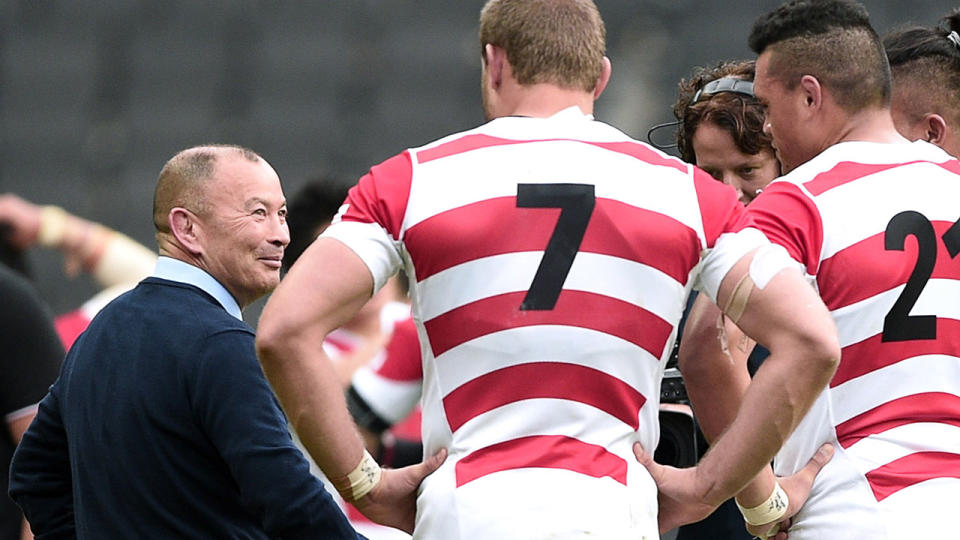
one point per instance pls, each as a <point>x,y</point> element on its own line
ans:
<point>545,100</point>
<point>870,125</point>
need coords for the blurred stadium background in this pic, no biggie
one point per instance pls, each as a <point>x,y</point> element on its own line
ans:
<point>96,95</point>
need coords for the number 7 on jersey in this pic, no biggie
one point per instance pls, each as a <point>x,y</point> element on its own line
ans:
<point>576,202</point>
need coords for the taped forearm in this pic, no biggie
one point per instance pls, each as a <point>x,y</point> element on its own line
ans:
<point>111,257</point>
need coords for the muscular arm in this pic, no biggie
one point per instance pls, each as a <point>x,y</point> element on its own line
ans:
<point>790,320</point>
<point>324,289</point>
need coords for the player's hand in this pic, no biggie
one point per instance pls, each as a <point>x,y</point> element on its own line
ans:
<point>393,501</point>
<point>798,489</point>
<point>22,218</point>
<point>677,497</point>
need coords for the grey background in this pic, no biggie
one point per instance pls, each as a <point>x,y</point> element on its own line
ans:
<point>96,96</point>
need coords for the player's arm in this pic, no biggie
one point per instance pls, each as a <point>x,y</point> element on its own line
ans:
<point>111,258</point>
<point>785,314</point>
<point>713,358</point>
<point>324,289</point>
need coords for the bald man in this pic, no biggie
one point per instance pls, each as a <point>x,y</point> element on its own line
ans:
<point>162,423</point>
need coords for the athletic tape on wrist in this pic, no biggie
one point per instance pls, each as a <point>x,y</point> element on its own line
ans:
<point>53,225</point>
<point>361,480</point>
<point>770,510</point>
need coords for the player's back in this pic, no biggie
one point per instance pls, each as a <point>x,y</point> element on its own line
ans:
<point>882,237</point>
<point>549,261</point>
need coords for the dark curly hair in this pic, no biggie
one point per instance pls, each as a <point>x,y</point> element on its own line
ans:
<point>738,114</point>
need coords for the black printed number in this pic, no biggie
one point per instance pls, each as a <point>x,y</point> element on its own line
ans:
<point>576,202</point>
<point>899,325</point>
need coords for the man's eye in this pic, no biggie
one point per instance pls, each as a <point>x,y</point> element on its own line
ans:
<point>260,212</point>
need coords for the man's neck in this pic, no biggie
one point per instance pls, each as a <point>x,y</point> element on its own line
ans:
<point>545,100</point>
<point>870,125</point>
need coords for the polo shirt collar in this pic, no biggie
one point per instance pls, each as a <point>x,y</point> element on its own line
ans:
<point>175,270</point>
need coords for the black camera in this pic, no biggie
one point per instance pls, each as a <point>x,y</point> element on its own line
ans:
<point>680,440</point>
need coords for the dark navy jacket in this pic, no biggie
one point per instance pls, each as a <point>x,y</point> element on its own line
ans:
<point>162,425</point>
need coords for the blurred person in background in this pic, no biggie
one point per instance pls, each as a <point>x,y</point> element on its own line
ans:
<point>29,364</point>
<point>162,423</point>
<point>925,63</point>
<point>534,244</point>
<point>115,261</point>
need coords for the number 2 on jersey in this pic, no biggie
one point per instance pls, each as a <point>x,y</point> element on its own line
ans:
<point>899,325</point>
<point>576,202</point>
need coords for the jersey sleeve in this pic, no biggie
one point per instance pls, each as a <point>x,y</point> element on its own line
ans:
<point>729,232</point>
<point>788,217</point>
<point>370,220</point>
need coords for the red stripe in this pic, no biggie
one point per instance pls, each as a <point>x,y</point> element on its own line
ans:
<point>872,354</point>
<point>491,227</point>
<point>844,173</point>
<point>938,407</point>
<point>866,268</point>
<point>381,195</point>
<point>574,308</point>
<point>475,141</point>
<point>720,210</point>
<point>402,360</point>
<point>543,451</point>
<point>550,380</point>
<point>952,166</point>
<point>913,469</point>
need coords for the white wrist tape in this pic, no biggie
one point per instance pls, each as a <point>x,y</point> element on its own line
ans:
<point>770,510</point>
<point>360,480</point>
<point>53,225</point>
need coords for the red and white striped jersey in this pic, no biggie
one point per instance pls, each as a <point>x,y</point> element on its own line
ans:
<point>878,228</point>
<point>550,260</point>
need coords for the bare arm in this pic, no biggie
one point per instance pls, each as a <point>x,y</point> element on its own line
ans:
<point>111,257</point>
<point>790,319</point>
<point>323,290</point>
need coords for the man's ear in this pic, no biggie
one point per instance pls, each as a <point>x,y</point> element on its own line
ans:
<point>934,129</point>
<point>604,78</point>
<point>494,58</point>
<point>185,227</point>
<point>811,92</point>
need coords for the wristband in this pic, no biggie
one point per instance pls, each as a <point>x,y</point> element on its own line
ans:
<point>360,481</point>
<point>53,226</point>
<point>770,510</point>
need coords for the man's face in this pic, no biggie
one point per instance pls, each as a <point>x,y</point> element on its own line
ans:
<point>245,227</point>
<point>783,116</point>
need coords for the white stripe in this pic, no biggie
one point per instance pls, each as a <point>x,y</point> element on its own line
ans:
<point>544,416</point>
<point>445,184</point>
<point>569,344</point>
<point>881,448</point>
<point>864,319</point>
<point>923,179</point>
<point>626,280</point>
<point>917,375</point>
<point>924,510</point>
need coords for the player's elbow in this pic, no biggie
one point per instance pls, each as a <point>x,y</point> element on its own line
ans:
<point>821,351</point>
<point>272,336</point>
